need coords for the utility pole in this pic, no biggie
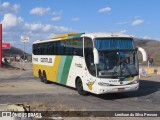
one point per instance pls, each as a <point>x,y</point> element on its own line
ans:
<point>24,54</point>
<point>0,45</point>
<point>24,39</point>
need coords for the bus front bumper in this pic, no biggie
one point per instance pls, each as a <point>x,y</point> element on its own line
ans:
<point>117,89</point>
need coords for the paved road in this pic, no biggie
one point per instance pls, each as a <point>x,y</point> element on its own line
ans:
<point>21,86</point>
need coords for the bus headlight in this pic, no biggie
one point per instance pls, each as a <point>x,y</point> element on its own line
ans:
<point>103,84</point>
<point>135,82</point>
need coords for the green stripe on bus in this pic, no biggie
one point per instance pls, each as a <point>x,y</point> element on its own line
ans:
<point>75,36</point>
<point>61,68</point>
<point>66,69</point>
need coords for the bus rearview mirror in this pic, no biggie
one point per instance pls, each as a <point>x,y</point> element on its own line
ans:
<point>144,54</point>
<point>96,56</point>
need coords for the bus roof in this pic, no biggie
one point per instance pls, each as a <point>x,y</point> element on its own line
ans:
<point>77,35</point>
<point>101,35</point>
<point>67,36</point>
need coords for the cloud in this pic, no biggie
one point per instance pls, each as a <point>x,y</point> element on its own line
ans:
<point>38,27</point>
<point>137,22</point>
<point>75,19</point>
<point>15,7</point>
<point>15,26</point>
<point>106,9</point>
<point>10,20</point>
<point>47,27</point>
<point>123,31</point>
<point>62,29</point>
<point>33,26</point>
<point>6,7</point>
<point>146,37</point>
<point>57,13</point>
<point>57,18</point>
<point>122,23</point>
<point>5,4</point>
<point>39,10</point>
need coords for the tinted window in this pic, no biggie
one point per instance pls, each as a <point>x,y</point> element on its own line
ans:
<point>64,47</point>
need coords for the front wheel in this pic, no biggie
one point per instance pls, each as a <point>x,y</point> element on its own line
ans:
<point>79,87</point>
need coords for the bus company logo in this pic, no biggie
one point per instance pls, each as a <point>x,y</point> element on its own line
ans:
<point>90,84</point>
<point>78,65</point>
<point>35,59</point>
<point>46,60</point>
<point>6,114</point>
<point>121,82</point>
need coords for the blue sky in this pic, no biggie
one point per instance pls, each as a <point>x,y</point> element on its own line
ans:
<point>41,19</point>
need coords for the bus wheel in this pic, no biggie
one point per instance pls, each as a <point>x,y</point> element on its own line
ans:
<point>45,77</point>
<point>79,87</point>
<point>40,76</point>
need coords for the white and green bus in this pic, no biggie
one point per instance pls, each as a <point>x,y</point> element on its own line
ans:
<point>97,63</point>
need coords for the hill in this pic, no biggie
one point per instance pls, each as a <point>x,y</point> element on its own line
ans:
<point>152,48</point>
<point>13,51</point>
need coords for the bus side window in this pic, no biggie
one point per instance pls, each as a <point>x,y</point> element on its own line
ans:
<point>58,49</point>
<point>34,49</point>
<point>52,49</point>
<point>39,51</point>
<point>77,45</point>
<point>69,50</point>
<point>89,58</point>
<point>55,49</point>
<point>80,46</point>
<point>63,47</point>
<point>46,49</point>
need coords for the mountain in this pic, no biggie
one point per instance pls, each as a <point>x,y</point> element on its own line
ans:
<point>152,48</point>
<point>13,51</point>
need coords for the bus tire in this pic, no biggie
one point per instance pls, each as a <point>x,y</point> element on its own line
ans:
<point>40,76</point>
<point>79,87</point>
<point>45,78</point>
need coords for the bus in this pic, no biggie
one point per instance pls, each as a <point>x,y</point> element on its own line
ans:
<point>96,63</point>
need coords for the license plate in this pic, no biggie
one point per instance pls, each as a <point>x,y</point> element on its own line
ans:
<point>121,89</point>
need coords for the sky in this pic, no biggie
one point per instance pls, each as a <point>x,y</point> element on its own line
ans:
<point>42,19</point>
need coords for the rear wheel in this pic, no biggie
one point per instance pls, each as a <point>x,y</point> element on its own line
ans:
<point>40,76</point>
<point>79,87</point>
<point>45,77</point>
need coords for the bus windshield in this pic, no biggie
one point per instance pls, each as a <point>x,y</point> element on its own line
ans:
<point>118,59</point>
<point>114,43</point>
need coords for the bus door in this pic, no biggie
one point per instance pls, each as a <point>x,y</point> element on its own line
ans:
<point>89,58</point>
